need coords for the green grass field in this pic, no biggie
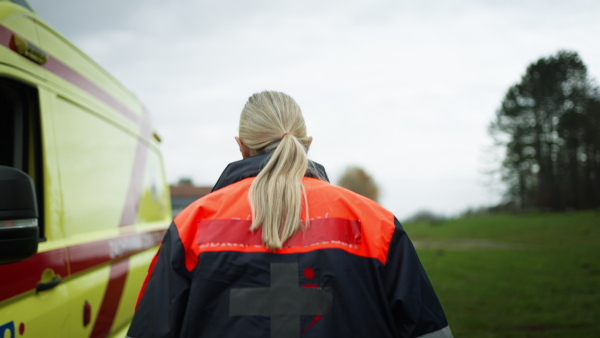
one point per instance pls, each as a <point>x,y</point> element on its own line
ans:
<point>515,276</point>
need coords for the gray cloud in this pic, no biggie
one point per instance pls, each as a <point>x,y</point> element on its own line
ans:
<point>405,89</point>
<point>77,19</point>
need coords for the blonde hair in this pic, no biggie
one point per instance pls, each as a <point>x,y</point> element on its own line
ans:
<point>272,122</point>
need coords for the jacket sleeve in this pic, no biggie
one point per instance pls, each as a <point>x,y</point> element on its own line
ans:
<point>162,303</point>
<point>415,307</point>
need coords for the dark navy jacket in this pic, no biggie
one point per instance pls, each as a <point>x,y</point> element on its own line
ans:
<point>353,272</point>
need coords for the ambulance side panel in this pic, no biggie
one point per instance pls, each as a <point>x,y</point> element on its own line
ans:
<point>105,203</point>
<point>23,312</point>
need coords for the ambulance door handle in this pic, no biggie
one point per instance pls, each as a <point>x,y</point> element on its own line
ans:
<point>48,285</point>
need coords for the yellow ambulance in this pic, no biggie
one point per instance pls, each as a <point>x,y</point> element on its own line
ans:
<point>83,196</point>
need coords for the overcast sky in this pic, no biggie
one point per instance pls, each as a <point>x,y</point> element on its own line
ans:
<point>404,89</point>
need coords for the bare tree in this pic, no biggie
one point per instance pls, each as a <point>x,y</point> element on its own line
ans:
<point>357,180</point>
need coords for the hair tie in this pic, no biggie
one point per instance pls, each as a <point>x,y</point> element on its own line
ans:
<point>282,136</point>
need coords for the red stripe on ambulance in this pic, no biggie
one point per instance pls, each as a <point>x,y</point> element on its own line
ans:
<point>136,183</point>
<point>81,257</point>
<point>114,289</point>
<point>62,70</point>
<point>112,297</point>
<point>55,66</point>
<point>89,255</point>
<point>30,272</point>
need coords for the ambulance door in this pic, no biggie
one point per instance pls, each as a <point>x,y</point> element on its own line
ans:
<point>95,164</point>
<point>33,293</point>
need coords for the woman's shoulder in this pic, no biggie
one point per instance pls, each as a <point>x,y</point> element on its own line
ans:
<point>326,195</point>
<point>228,202</point>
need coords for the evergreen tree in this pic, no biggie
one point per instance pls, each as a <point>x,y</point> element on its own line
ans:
<point>551,118</point>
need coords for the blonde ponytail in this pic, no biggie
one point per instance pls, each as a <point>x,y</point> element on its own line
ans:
<point>272,122</point>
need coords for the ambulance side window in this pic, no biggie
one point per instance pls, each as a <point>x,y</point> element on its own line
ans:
<point>20,135</point>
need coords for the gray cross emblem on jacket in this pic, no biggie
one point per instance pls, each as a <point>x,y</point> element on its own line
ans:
<point>285,301</point>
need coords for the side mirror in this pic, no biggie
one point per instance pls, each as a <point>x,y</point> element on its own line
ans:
<point>19,232</point>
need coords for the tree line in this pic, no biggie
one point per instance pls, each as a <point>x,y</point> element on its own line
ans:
<point>549,126</point>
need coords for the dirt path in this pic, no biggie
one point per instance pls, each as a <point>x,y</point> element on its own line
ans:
<point>464,244</point>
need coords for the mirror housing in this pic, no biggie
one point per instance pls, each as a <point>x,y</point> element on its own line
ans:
<point>19,231</point>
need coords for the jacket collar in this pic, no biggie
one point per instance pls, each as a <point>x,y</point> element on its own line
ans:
<point>251,166</point>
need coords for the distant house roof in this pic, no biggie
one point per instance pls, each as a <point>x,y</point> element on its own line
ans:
<point>187,190</point>
<point>183,195</point>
